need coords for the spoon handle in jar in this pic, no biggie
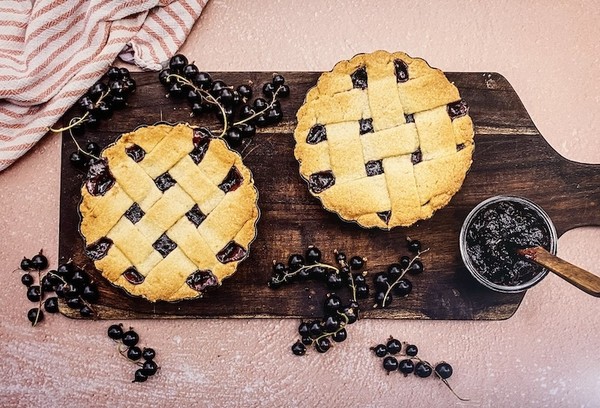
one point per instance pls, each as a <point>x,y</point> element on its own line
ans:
<point>584,280</point>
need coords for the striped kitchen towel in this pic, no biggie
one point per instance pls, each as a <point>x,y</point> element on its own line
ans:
<point>52,51</point>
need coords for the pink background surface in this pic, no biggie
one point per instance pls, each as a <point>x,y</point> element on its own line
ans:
<point>545,355</point>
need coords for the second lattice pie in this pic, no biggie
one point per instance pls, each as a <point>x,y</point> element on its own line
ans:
<point>384,140</point>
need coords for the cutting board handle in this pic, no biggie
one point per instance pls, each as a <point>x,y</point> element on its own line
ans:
<point>581,196</point>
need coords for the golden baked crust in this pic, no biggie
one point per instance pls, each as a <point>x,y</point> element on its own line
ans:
<point>168,212</point>
<point>384,140</point>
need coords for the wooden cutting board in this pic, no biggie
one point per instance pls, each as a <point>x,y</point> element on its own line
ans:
<point>511,158</point>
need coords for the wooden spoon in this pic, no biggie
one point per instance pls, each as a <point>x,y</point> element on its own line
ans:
<point>584,280</point>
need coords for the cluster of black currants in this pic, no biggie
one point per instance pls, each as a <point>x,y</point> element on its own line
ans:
<point>393,281</point>
<point>67,282</point>
<point>402,357</point>
<point>331,328</point>
<point>107,95</point>
<point>129,349</point>
<point>233,107</point>
<point>337,314</point>
<point>310,267</point>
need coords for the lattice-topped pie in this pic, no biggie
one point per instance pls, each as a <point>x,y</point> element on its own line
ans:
<point>168,212</point>
<point>384,140</point>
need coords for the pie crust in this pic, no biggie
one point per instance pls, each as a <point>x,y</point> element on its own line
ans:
<point>384,140</point>
<point>168,211</point>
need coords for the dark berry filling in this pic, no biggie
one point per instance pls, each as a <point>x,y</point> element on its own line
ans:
<point>460,146</point>
<point>416,157</point>
<point>201,280</point>
<point>134,213</point>
<point>232,181</point>
<point>401,70</point>
<point>321,181</point>
<point>231,252</point>
<point>316,134</point>
<point>99,249</point>
<point>136,153</point>
<point>495,233</point>
<point>359,78</point>
<point>366,126</point>
<point>457,109</point>
<point>195,215</point>
<point>164,245</point>
<point>164,182</point>
<point>99,178</point>
<point>374,167</point>
<point>201,141</point>
<point>410,118</point>
<point>385,216</point>
<point>133,276</point>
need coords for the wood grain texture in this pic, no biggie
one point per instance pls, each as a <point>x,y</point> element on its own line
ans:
<point>511,158</point>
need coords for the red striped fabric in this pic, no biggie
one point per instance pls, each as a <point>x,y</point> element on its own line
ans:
<point>52,51</point>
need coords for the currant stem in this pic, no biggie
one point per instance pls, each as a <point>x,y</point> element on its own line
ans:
<point>71,124</point>
<point>37,316</point>
<point>445,381</point>
<point>77,144</point>
<point>287,275</point>
<point>390,287</point>
<point>327,334</point>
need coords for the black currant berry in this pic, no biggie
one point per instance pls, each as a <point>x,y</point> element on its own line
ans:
<point>113,73</point>
<point>46,284</point>
<point>315,329</point>
<point>163,76</point>
<point>148,353</point>
<point>51,304</point>
<point>203,80</point>
<point>404,262</point>
<point>380,350</point>
<point>333,304</point>
<point>78,160</point>
<point>27,279</point>
<point>130,338</point>
<point>93,149</point>
<point>248,130</point>
<point>340,258</point>
<point>298,348</point>
<point>340,335</point>
<point>414,246</point>
<point>334,280</point>
<point>406,366</point>
<point>313,255</point>
<point>411,350</point>
<point>393,346</point>
<point>26,264</point>
<point>260,104</point>
<point>140,376</point>
<point>423,369</point>
<point>323,344</point>
<point>278,80</point>
<point>416,267</point>
<point>307,340</point>
<point>115,332</point>
<point>357,263</point>
<point>134,353</point>
<point>149,368</point>
<point>190,71</point>
<point>80,278</point>
<point>35,315</point>
<point>33,293</point>
<point>303,329</point>
<point>403,287</point>
<point>390,364</point>
<point>65,271</point>
<point>383,300</point>
<point>381,281</point>
<point>245,91</point>
<point>444,370</point>
<point>331,324</point>
<point>295,262</point>
<point>283,91</point>
<point>233,136</point>
<point>86,311</point>
<point>351,314</point>
<point>178,62</point>
<point>39,262</point>
<point>268,89</point>
<point>90,293</point>
<point>75,303</point>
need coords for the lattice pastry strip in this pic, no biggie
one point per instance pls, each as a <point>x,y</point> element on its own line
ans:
<point>186,230</point>
<point>373,129</point>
